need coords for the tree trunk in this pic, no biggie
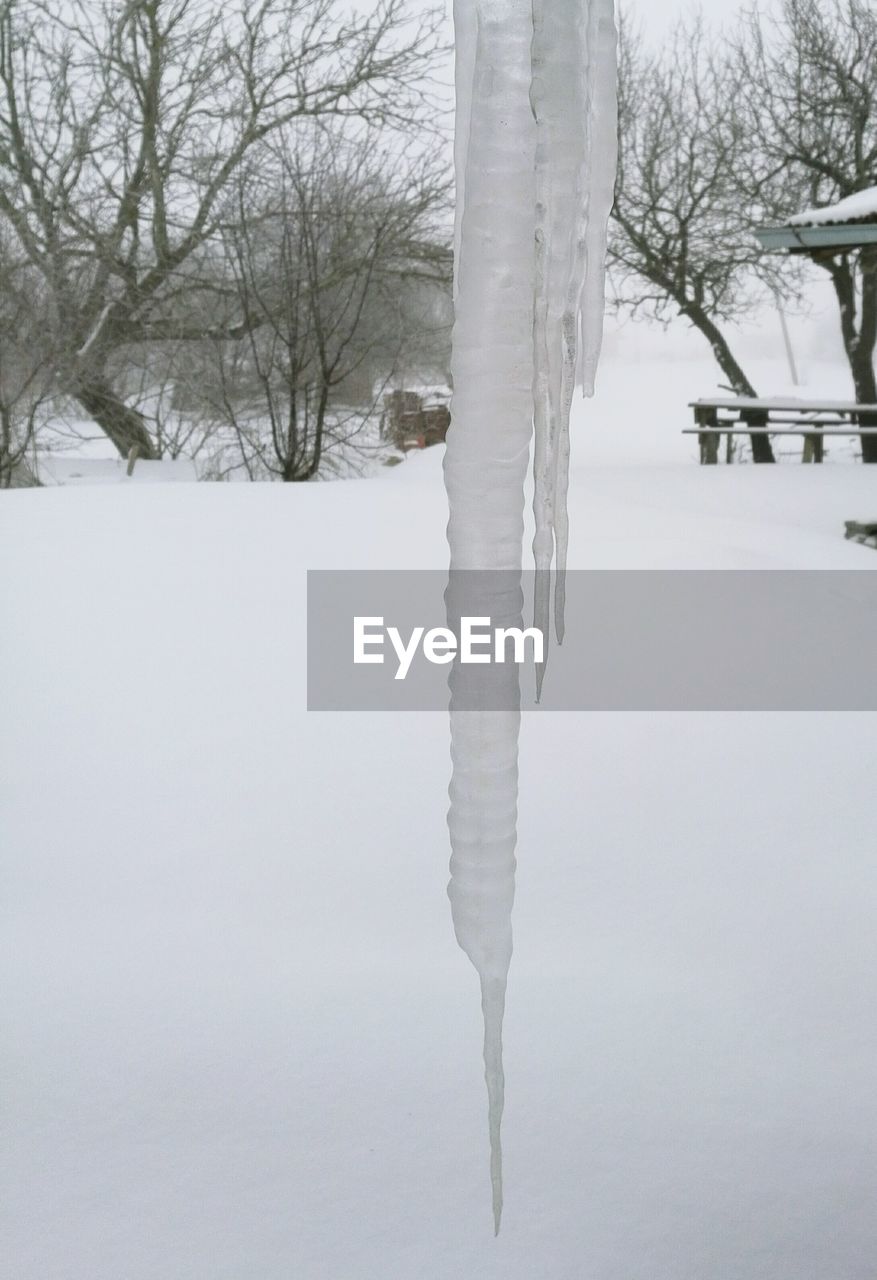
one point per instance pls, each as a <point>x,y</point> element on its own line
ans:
<point>6,463</point>
<point>125,427</point>
<point>859,342</point>
<point>761,446</point>
<point>866,393</point>
<point>862,363</point>
<point>296,473</point>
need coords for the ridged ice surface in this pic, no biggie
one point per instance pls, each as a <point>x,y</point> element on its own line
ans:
<point>535,163</point>
<point>558,98</point>
<point>573,100</point>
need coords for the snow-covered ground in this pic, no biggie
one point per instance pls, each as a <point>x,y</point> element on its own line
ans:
<point>241,1042</point>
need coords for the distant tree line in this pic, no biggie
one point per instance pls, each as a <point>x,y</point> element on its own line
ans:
<point>720,133</point>
<point>221,226</point>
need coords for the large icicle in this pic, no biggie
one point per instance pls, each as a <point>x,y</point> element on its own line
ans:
<point>526,108</point>
<point>485,468</point>
<point>487,458</point>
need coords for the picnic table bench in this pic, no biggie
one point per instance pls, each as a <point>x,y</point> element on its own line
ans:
<point>813,420</point>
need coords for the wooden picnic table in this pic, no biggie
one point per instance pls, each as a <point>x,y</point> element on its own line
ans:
<point>813,420</point>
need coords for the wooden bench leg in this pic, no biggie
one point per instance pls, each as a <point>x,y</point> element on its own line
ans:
<point>708,440</point>
<point>814,449</point>
<point>709,448</point>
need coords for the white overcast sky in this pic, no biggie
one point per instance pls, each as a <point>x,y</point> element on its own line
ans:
<point>655,16</point>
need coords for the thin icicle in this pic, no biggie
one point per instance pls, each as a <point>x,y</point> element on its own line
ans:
<point>559,103</point>
<point>493,1010</point>
<point>544,410</point>
<point>466,35</point>
<point>603,158</point>
<point>585,301</point>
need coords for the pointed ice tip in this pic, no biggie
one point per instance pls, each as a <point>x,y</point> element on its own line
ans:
<point>496,1179</point>
<point>497,1205</point>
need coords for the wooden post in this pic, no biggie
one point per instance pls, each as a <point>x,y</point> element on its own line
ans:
<point>814,447</point>
<point>706,416</point>
<point>133,455</point>
<point>787,341</point>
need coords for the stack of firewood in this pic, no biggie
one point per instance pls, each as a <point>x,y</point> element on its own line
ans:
<point>409,424</point>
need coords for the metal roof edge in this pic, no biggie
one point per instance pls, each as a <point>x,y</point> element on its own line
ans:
<point>826,236</point>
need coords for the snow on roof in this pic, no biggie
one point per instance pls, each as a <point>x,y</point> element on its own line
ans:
<point>860,206</point>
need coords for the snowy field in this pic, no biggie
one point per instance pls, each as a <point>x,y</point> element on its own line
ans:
<point>241,1042</point>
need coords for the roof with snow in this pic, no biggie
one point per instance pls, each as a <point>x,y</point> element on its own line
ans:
<point>860,207</point>
<point>849,224</point>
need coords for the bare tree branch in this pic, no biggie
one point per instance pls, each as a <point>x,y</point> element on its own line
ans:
<point>125,127</point>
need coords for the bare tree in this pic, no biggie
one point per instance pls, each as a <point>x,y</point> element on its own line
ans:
<point>321,252</point>
<point>25,367</point>
<point>124,125</point>
<point>681,238</point>
<point>154,379</point>
<point>810,113</point>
